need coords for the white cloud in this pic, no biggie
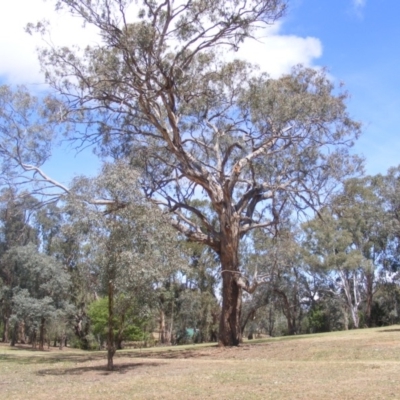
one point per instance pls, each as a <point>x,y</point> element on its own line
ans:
<point>359,3</point>
<point>19,64</point>
<point>275,53</point>
<point>358,6</point>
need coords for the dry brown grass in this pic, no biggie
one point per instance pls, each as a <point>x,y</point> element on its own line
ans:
<point>363,364</point>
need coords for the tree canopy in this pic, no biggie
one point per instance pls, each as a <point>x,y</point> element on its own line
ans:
<point>157,92</point>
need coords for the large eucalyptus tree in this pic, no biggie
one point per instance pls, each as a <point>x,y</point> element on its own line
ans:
<point>157,89</point>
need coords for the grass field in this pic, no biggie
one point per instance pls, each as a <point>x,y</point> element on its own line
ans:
<point>362,364</point>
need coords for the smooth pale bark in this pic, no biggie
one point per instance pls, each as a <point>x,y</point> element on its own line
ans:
<point>352,295</point>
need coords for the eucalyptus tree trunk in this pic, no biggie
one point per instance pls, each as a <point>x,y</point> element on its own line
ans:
<point>352,296</point>
<point>229,327</point>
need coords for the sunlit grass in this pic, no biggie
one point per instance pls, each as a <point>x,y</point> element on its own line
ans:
<point>362,364</point>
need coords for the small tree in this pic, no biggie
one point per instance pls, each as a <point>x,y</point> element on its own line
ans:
<point>127,324</point>
<point>132,246</point>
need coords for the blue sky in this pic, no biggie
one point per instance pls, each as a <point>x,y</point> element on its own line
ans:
<point>357,40</point>
<point>361,47</point>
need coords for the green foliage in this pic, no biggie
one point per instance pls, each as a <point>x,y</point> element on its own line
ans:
<point>158,93</point>
<point>224,150</point>
<point>127,324</point>
<point>40,286</point>
<point>98,314</point>
<point>88,342</point>
<point>318,320</point>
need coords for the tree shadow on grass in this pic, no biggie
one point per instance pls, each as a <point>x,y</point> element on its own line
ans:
<point>40,357</point>
<point>168,354</point>
<point>46,358</point>
<point>173,353</point>
<point>390,330</point>
<point>121,368</point>
<point>196,353</point>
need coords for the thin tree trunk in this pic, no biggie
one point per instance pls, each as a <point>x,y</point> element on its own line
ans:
<point>14,335</point>
<point>287,312</point>
<point>33,339</point>
<point>369,299</point>
<point>81,330</point>
<point>271,321</point>
<point>62,339</point>
<point>171,326</point>
<point>120,333</point>
<point>110,336</point>
<point>345,318</point>
<point>21,332</point>
<point>162,327</point>
<point>352,297</point>
<point>6,332</point>
<point>355,317</point>
<point>250,316</point>
<point>41,334</point>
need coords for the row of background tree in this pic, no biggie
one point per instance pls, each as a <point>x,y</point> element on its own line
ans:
<point>69,272</point>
